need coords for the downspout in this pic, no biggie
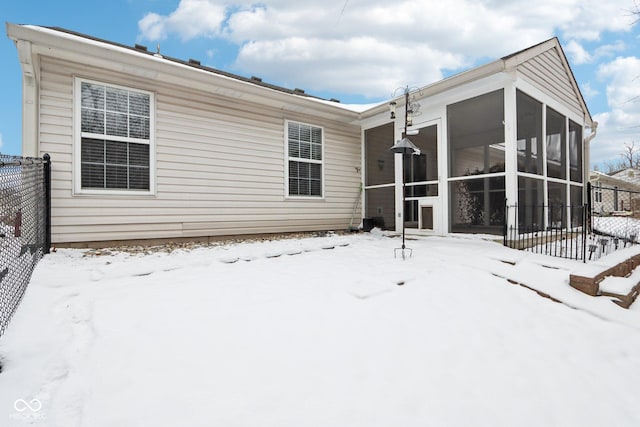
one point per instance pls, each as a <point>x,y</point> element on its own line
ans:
<point>30,104</point>
<point>594,132</point>
<point>587,151</point>
<point>586,173</point>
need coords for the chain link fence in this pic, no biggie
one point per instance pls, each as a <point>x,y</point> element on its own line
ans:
<point>24,226</point>
<point>616,213</point>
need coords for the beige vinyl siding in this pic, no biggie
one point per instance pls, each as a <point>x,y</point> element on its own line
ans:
<point>219,167</point>
<point>547,72</point>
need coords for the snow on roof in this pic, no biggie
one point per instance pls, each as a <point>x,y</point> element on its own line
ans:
<point>356,108</point>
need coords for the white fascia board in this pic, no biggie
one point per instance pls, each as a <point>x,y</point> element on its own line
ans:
<point>514,60</point>
<point>71,47</point>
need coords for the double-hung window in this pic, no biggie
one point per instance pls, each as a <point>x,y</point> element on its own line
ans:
<point>115,141</point>
<point>304,160</point>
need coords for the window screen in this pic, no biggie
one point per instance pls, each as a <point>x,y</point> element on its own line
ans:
<point>304,152</point>
<point>115,138</point>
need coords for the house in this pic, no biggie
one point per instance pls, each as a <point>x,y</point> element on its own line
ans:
<point>150,147</point>
<point>631,175</point>
<point>618,193</point>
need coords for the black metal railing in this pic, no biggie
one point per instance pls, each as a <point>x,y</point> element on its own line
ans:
<point>549,230</point>
<point>25,227</point>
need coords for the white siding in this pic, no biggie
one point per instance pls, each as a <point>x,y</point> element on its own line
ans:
<point>547,72</point>
<point>220,167</point>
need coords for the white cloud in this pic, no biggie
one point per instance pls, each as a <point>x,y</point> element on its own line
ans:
<point>577,54</point>
<point>589,91</point>
<point>192,18</point>
<point>372,46</point>
<point>621,124</point>
<point>609,50</point>
<point>588,19</point>
<point>623,75</point>
<point>152,27</point>
<point>358,67</point>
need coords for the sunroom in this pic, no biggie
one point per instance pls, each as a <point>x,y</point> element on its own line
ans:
<point>498,146</point>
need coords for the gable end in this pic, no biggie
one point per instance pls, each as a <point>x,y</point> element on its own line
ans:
<point>547,72</point>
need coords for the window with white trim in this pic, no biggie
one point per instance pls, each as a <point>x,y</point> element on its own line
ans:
<point>304,159</point>
<point>115,137</point>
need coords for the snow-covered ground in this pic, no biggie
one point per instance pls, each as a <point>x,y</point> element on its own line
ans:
<point>619,226</point>
<point>330,331</point>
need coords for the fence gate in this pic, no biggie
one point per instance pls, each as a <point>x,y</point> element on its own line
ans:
<point>25,229</point>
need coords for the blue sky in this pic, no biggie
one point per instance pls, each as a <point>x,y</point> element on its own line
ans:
<point>359,51</point>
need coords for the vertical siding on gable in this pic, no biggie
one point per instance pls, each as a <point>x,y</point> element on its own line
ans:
<point>547,72</point>
<point>220,167</point>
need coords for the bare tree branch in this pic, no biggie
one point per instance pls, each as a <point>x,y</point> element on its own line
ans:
<point>629,155</point>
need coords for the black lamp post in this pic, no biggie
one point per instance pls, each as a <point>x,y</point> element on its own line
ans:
<point>404,146</point>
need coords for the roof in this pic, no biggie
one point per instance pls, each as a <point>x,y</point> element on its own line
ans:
<point>501,65</point>
<point>629,175</point>
<point>619,179</point>
<point>32,40</point>
<point>192,63</point>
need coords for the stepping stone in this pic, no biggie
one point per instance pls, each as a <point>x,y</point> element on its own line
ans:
<point>229,259</point>
<point>145,273</point>
<point>293,252</point>
<point>272,254</point>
